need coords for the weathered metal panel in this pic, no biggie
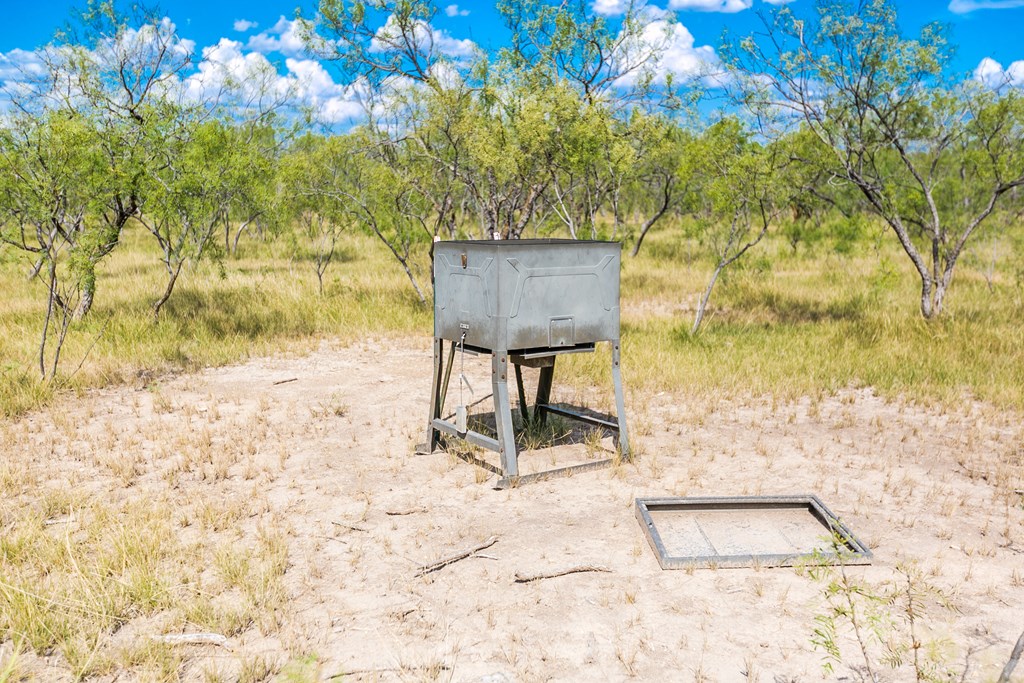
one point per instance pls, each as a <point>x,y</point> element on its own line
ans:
<point>526,294</point>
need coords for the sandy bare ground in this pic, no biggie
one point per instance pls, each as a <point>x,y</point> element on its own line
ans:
<point>329,459</point>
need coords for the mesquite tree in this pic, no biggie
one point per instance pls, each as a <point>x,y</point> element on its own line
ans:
<point>538,131</point>
<point>668,166</point>
<point>933,160</point>
<point>739,195</point>
<point>310,177</point>
<point>114,64</point>
<point>205,169</point>
<point>51,174</point>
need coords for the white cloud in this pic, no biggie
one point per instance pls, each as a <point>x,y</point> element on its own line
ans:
<point>613,8</point>
<point>425,36</point>
<point>283,37</point>
<point>148,37</point>
<point>610,8</point>
<point>18,69</point>
<point>676,54</point>
<point>965,6</point>
<point>681,58</point>
<point>229,75</point>
<point>778,2</point>
<point>652,13</point>
<point>454,11</point>
<point>20,64</point>
<point>727,6</point>
<point>314,87</point>
<point>453,47</point>
<point>225,67</point>
<point>993,75</point>
<point>243,25</point>
<point>153,49</point>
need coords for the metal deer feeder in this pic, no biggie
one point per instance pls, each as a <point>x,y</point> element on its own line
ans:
<point>524,302</point>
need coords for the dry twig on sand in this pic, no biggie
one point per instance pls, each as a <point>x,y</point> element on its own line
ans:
<point>578,569</point>
<point>388,669</point>
<point>1015,656</point>
<point>194,639</point>
<point>402,513</point>
<point>442,563</point>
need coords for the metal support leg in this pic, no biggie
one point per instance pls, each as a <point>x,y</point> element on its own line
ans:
<point>503,414</point>
<point>524,410</point>
<point>547,374</point>
<point>435,397</point>
<point>620,402</point>
<point>447,377</point>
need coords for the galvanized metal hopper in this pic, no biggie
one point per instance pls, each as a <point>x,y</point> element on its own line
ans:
<point>524,302</point>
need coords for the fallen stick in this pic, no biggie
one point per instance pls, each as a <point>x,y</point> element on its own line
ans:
<point>527,578</point>
<point>194,639</point>
<point>348,526</point>
<point>285,381</point>
<point>441,564</point>
<point>400,513</point>
<point>67,519</point>
<point>1015,656</point>
<point>388,669</point>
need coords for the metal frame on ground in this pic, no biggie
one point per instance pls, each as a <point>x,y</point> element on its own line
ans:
<point>851,550</point>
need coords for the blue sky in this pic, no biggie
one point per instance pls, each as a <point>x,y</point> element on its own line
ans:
<point>242,33</point>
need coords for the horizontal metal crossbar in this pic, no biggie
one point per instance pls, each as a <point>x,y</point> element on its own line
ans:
<point>476,438</point>
<point>529,354</point>
<point>572,415</point>
<point>508,482</point>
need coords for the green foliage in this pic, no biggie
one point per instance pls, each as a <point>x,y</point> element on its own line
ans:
<point>891,622</point>
<point>209,172</point>
<point>870,116</point>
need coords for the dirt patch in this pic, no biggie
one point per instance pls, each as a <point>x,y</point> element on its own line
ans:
<point>321,449</point>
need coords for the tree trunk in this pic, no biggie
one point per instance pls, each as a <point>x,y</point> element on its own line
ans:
<point>702,306</point>
<point>36,268</point>
<point>616,218</point>
<point>649,223</point>
<point>238,236</point>
<point>941,287</point>
<point>51,299</point>
<point>85,304</point>
<point>926,298</point>
<point>65,322</point>
<point>167,292</point>
<point>1015,655</point>
<point>412,279</point>
<point>88,292</point>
